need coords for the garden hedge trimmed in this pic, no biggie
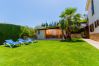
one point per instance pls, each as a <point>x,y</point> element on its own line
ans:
<point>10,31</point>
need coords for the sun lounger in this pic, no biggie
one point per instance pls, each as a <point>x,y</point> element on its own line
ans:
<point>22,41</point>
<point>29,40</point>
<point>11,43</point>
<point>8,44</point>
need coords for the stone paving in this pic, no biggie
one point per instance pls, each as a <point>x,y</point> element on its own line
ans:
<point>92,42</point>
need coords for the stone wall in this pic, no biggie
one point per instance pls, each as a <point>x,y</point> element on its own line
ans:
<point>76,36</point>
<point>95,37</point>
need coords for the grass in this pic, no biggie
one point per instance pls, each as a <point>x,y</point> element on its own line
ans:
<point>50,53</point>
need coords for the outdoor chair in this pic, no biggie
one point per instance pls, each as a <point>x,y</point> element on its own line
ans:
<point>21,41</point>
<point>11,43</point>
<point>8,44</point>
<point>28,40</point>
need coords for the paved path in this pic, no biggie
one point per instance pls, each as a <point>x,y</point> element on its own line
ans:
<point>92,42</point>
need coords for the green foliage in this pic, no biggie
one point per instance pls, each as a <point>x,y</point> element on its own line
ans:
<point>77,18</point>
<point>50,25</point>
<point>67,16</point>
<point>84,21</point>
<point>68,12</point>
<point>10,31</point>
<point>71,19</point>
<point>62,24</point>
<point>76,22</point>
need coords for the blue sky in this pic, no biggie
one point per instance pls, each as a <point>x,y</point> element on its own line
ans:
<point>35,12</point>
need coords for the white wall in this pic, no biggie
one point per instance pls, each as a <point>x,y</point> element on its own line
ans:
<point>95,17</point>
<point>41,34</point>
<point>96,30</point>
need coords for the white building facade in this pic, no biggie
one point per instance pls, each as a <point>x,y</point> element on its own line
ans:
<point>92,7</point>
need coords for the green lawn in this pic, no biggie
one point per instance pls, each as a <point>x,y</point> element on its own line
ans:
<point>50,53</point>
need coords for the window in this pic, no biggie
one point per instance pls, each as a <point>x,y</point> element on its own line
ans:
<point>38,31</point>
<point>92,28</point>
<point>96,24</point>
<point>92,7</point>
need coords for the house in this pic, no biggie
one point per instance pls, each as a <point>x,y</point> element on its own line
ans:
<point>84,30</point>
<point>92,7</point>
<point>49,33</point>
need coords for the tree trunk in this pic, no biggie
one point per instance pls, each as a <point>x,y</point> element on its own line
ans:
<point>69,29</point>
<point>62,34</point>
<point>68,33</point>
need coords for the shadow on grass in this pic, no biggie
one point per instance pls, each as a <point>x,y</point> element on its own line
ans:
<point>12,47</point>
<point>73,40</point>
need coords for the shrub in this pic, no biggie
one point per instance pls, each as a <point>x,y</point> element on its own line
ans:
<point>10,31</point>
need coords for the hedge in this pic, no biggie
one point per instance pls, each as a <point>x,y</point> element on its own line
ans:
<point>10,31</point>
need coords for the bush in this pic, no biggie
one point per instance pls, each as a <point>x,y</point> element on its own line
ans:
<point>10,31</point>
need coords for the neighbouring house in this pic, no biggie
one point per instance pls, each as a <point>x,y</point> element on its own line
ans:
<point>84,30</point>
<point>49,33</point>
<point>92,7</point>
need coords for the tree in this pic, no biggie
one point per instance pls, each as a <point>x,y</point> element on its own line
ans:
<point>62,26</point>
<point>76,21</point>
<point>43,25</point>
<point>67,15</point>
<point>46,24</point>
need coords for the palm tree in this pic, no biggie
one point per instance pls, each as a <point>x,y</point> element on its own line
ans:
<point>67,15</point>
<point>62,26</point>
<point>76,21</point>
